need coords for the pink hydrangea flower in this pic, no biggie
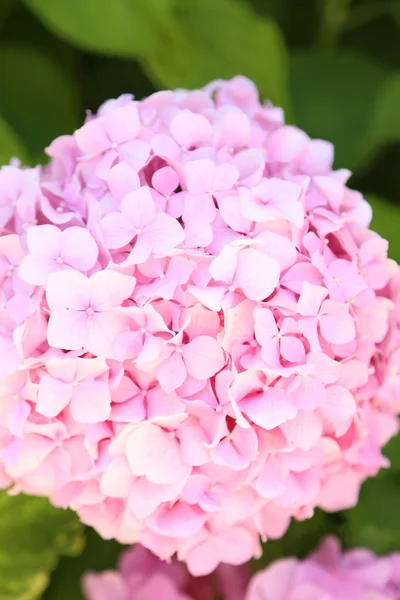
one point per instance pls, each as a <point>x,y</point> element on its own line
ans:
<point>329,574</point>
<point>199,334</point>
<point>142,576</point>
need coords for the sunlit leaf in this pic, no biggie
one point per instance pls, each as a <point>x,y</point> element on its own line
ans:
<point>117,27</point>
<point>33,535</point>
<point>208,40</point>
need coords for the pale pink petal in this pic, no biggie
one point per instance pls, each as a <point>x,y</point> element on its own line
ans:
<point>91,402</point>
<point>292,349</point>
<point>139,207</point>
<point>190,129</point>
<point>122,180</point>
<point>92,138</point>
<point>117,230</point>
<point>200,176</point>
<point>337,324</point>
<point>256,274</point>
<point>172,372</point>
<point>78,248</point>
<point>44,240</point>
<point>68,289</point>
<point>164,233</point>
<point>311,298</point>
<point>67,329</point>
<point>304,431</point>
<point>269,409</point>
<point>339,405</point>
<point>36,269</point>
<point>110,288</point>
<point>53,396</point>
<point>122,124</point>
<point>226,176</point>
<point>152,453</point>
<point>203,357</point>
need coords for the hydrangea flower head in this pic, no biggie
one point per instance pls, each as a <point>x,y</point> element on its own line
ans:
<point>198,331</point>
<point>327,574</point>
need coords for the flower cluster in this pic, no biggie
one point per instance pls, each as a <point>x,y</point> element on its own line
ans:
<point>142,576</point>
<point>327,574</point>
<point>198,331</point>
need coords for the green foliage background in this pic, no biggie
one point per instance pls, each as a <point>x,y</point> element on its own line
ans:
<point>334,65</point>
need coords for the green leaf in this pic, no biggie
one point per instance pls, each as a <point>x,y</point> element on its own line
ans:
<point>38,97</point>
<point>33,534</point>
<point>118,27</point>
<point>385,127</point>
<point>98,555</point>
<point>10,145</point>
<point>385,220</point>
<point>334,98</point>
<point>209,39</point>
<point>375,521</point>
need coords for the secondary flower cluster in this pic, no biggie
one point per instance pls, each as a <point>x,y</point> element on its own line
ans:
<point>327,574</point>
<point>198,331</point>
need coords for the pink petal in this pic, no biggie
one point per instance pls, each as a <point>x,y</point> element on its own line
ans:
<point>172,372</point>
<point>190,129</point>
<point>53,396</point>
<point>311,298</point>
<point>226,176</point>
<point>122,124</point>
<point>117,230</point>
<point>200,176</point>
<point>339,405</point>
<point>78,248</point>
<point>91,402</point>
<point>203,357</point>
<point>256,274</point>
<point>139,207</point>
<point>292,349</point>
<point>265,326</point>
<point>44,240</point>
<point>68,289</point>
<point>110,288</point>
<point>181,521</point>
<point>304,431</point>
<point>152,453</point>
<point>337,324</point>
<point>36,269</point>
<point>121,180</point>
<point>165,181</point>
<point>164,233</point>
<point>66,329</point>
<point>92,138</point>
<point>270,409</point>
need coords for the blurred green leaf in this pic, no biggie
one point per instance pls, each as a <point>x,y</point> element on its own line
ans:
<point>117,27</point>
<point>10,145</point>
<point>208,40</point>
<point>375,521</point>
<point>385,220</point>
<point>98,555</point>
<point>38,97</point>
<point>385,127</point>
<point>33,534</point>
<point>334,98</point>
